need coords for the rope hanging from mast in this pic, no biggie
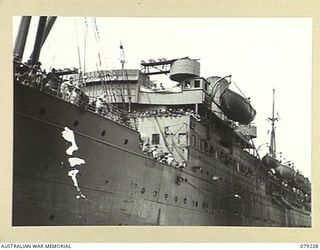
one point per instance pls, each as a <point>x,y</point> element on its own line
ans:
<point>98,40</point>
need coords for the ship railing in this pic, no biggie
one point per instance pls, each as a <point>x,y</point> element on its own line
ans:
<point>110,111</point>
<point>251,156</point>
<point>34,78</point>
<point>164,113</point>
<point>163,157</point>
<point>291,195</point>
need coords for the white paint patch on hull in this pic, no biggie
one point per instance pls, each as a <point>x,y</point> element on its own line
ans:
<point>68,135</point>
<point>73,174</point>
<point>76,161</point>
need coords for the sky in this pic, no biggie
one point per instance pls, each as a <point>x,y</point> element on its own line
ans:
<point>259,53</point>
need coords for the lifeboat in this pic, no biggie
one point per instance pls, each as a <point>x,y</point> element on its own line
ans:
<point>270,162</point>
<point>285,172</point>
<point>236,108</point>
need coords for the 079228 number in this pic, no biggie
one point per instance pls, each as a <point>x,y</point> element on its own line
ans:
<point>309,246</point>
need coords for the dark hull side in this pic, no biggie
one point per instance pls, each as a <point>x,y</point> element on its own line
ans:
<point>121,185</point>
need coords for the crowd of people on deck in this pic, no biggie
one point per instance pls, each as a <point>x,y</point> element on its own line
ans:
<point>163,157</point>
<point>171,112</point>
<point>65,88</point>
<point>32,75</point>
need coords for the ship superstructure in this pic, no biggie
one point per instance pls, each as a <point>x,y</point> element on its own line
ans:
<point>128,152</point>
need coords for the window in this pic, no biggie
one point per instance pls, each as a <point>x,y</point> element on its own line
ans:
<point>206,86</point>
<point>221,156</point>
<point>192,125</point>
<point>211,150</point>
<point>206,147</point>
<point>197,83</point>
<point>155,139</point>
<point>194,141</point>
<point>200,144</point>
<point>216,154</point>
<point>182,138</point>
<point>187,84</point>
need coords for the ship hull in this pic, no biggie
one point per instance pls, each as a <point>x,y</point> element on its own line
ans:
<point>121,186</point>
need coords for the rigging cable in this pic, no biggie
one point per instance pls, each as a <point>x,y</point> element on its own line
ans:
<point>78,47</point>
<point>101,73</point>
<point>85,44</point>
<point>239,90</point>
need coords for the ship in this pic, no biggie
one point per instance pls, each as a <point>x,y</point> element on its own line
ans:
<point>125,151</point>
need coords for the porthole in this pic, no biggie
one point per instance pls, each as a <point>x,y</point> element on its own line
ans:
<point>126,141</point>
<point>176,198</point>
<point>155,193</point>
<point>143,190</point>
<point>185,200</point>
<point>203,205</point>
<point>42,111</point>
<point>75,123</point>
<point>166,196</point>
<point>103,133</point>
<point>196,204</point>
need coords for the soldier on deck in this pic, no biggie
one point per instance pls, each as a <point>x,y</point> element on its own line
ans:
<point>66,89</point>
<point>53,81</point>
<point>74,97</point>
<point>101,104</point>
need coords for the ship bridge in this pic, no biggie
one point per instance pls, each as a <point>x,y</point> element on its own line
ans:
<point>135,91</point>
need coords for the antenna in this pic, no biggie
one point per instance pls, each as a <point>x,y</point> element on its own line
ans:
<point>272,147</point>
<point>123,61</point>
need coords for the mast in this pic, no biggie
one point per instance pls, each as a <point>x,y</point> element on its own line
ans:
<point>37,45</point>
<point>51,20</point>
<point>21,37</point>
<point>272,147</point>
<point>123,61</point>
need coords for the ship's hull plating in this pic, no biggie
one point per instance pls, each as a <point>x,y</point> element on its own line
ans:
<point>121,186</point>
